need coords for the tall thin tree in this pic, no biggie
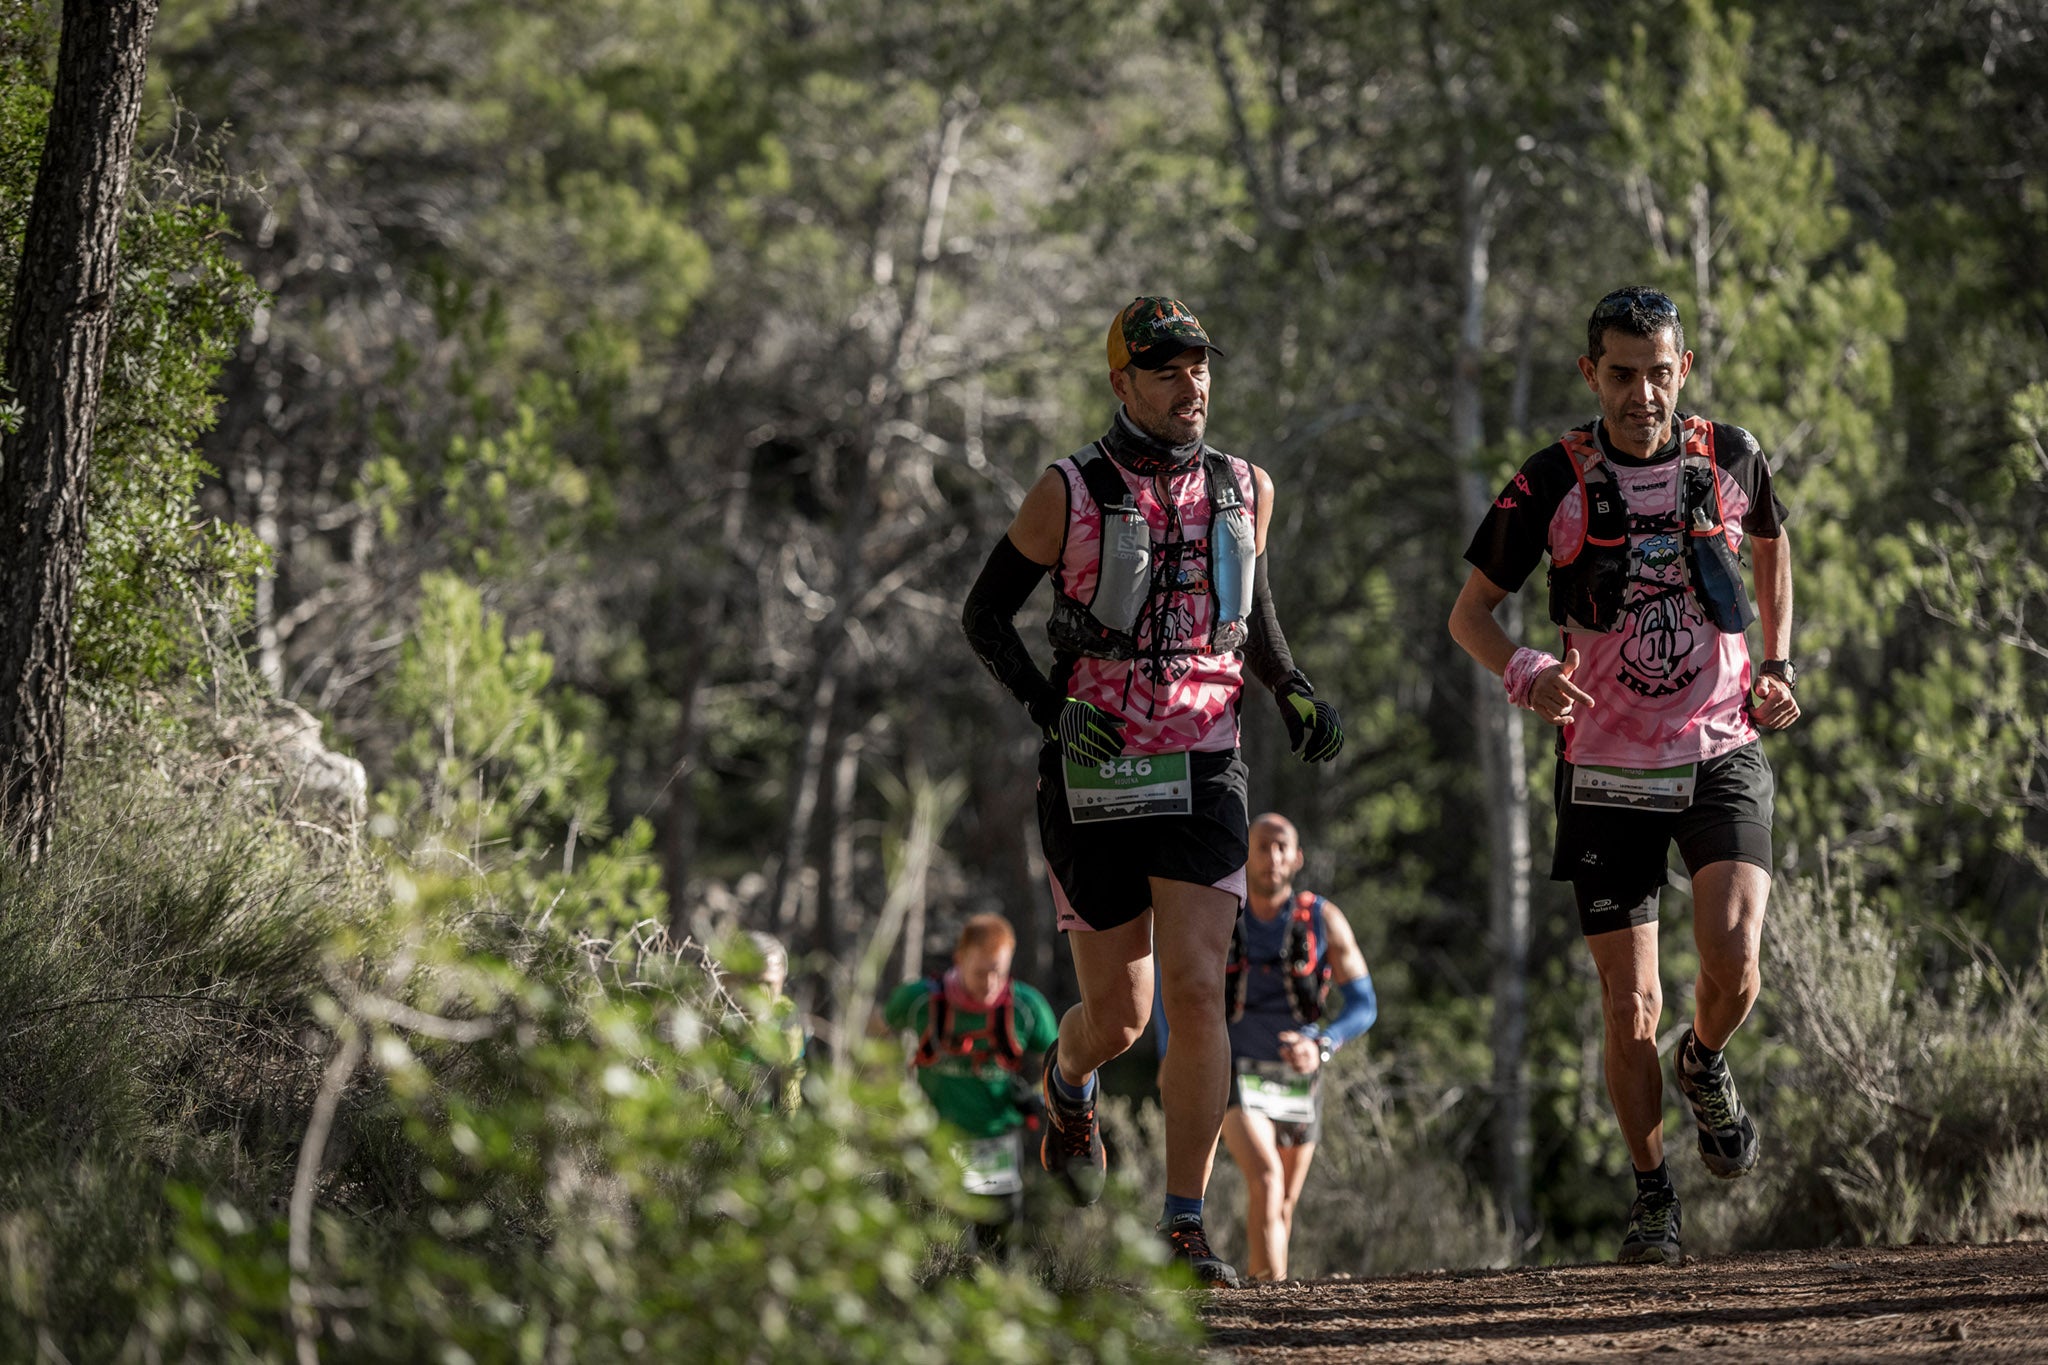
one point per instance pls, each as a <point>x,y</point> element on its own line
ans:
<point>56,351</point>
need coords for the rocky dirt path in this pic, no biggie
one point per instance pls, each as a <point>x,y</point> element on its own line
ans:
<point>1947,1303</point>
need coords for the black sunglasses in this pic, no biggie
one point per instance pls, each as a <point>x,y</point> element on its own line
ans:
<point>1622,302</point>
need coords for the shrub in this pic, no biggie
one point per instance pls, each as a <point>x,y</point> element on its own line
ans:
<point>1898,1109</point>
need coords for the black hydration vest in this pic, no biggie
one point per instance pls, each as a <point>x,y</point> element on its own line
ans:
<point>1106,627</point>
<point>1589,587</point>
<point>1303,963</point>
<point>938,1040</point>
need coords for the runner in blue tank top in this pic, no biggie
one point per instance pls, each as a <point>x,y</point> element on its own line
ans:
<point>1290,947</point>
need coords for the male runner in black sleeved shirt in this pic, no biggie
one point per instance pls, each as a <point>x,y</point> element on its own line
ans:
<point>1642,514</point>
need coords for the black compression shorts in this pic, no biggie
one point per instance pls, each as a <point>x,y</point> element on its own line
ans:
<point>1615,859</point>
<point>1102,870</point>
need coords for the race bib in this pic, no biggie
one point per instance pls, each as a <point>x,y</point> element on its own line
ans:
<point>1282,1094</point>
<point>1634,788</point>
<point>1126,788</point>
<point>994,1165</point>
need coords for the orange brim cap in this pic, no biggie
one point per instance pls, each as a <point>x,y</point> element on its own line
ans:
<point>1149,331</point>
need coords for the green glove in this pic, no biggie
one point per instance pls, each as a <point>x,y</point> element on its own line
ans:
<point>1314,729</point>
<point>1087,735</point>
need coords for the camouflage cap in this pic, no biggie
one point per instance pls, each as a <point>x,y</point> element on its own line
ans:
<point>1150,331</point>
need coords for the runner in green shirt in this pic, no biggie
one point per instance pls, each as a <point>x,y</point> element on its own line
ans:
<point>975,1029</point>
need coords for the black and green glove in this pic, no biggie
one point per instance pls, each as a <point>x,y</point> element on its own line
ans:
<point>1314,729</point>
<point>1087,734</point>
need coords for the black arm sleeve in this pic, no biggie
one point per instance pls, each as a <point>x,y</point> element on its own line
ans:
<point>990,620</point>
<point>1265,649</point>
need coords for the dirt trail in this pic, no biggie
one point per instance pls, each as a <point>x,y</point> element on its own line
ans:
<point>1946,1303</point>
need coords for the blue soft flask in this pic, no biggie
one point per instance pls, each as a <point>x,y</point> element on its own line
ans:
<point>1233,552</point>
<point>1716,573</point>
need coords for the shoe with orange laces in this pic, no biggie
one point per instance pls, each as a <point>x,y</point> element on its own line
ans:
<point>1186,1242</point>
<point>1072,1146</point>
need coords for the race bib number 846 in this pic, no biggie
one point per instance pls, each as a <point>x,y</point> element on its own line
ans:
<point>1126,788</point>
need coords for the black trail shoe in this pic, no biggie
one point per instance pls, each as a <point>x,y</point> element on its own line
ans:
<point>1072,1146</point>
<point>1652,1237</point>
<point>1186,1241</point>
<point>1728,1144</point>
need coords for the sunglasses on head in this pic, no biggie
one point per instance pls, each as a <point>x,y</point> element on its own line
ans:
<point>1623,302</point>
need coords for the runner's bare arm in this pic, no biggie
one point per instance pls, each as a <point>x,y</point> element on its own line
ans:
<point>1473,625</point>
<point>1554,695</point>
<point>1773,707</point>
<point>1347,962</point>
<point>1041,522</point>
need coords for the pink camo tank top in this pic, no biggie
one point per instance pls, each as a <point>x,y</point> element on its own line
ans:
<point>1171,702</point>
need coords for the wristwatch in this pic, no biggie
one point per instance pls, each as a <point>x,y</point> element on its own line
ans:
<point>1323,1048</point>
<point>1781,669</point>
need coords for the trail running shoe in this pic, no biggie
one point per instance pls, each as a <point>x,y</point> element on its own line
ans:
<point>1728,1144</point>
<point>1072,1146</point>
<point>1652,1237</point>
<point>1186,1241</point>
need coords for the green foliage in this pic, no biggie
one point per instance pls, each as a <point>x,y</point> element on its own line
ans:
<point>599,1183</point>
<point>159,575</point>
<point>1983,699</point>
<point>1900,1109</point>
<point>551,1144</point>
<point>154,974</point>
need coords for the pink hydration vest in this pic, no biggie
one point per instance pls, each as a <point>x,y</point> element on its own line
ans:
<point>1178,692</point>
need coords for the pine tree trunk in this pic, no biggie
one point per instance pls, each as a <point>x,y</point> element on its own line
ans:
<point>710,579</point>
<point>1501,764</point>
<point>56,350</point>
<point>885,389</point>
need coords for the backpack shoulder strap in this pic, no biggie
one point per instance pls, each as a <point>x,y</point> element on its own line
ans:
<point>1105,484</point>
<point>1700,439</point>
<point>1236,973</point>
<point>1009,1048</point>
<point>1605,521</point>
<point>1224,494</point>
<point>1304,944</point>
<point>938,1022</point>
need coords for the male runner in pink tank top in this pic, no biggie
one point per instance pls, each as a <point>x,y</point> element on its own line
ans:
<point>1658,712</point>
<point>1156,546</point>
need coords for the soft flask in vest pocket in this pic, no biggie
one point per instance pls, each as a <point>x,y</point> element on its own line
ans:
<point>1232,555</point>
<point>1106,628</point>
<point>1716,573</point>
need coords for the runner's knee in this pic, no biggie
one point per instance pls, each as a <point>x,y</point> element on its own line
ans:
<point>1117,1022</point>
<point>1193,1000</point>
<point>1633,1013</point>
<point>1262,1177</point>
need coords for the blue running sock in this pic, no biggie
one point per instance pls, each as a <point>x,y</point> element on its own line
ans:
<point>1177,1207</point>
<point>1072,1094</point>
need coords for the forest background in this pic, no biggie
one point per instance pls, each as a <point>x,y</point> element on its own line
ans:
<point>593,414</point>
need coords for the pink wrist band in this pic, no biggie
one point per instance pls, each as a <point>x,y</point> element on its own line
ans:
<point>1522,672</point>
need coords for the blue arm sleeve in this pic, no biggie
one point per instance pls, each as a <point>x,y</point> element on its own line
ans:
<point>1361,1008</point>
<point>1159,1015</point>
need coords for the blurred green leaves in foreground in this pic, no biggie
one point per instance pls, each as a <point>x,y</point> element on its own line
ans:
<point>382,1090</point>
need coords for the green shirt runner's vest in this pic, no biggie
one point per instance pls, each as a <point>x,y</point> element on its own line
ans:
<point>975,1092</point>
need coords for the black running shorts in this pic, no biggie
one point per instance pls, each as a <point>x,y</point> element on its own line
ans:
<point>1615,859</point>
<point>1102,870</point>
<point>1286,1134</point>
